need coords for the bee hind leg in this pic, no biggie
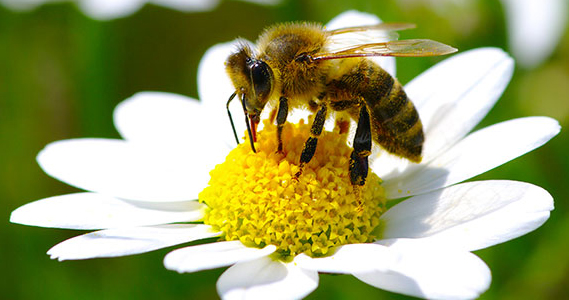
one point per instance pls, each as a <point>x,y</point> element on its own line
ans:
<point>359,165</point>
<point>362,149</point>
<point>310,144</point>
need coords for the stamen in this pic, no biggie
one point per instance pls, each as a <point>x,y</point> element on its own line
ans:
<point>252,197</point>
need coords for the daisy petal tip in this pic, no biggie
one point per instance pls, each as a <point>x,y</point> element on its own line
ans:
<point>62,252</point>
<point>53,254</point>
<point>171,263</point>
<point>52,158</point>
<point>16,218</point>
<point>44,153</point>
<point>553,125</point>
<point>541,199</point>
<point>493,58</point>
<point>55,257</point>
<point>28,215</point>
<point>501,60</point>
<point>543,126</point>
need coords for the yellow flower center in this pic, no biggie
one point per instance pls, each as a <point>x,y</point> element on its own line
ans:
<point>253,197</point>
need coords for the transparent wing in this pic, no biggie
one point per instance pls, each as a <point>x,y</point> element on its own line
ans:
<point>343,38</point>
<point>405,48</point>
<point>384,27</point>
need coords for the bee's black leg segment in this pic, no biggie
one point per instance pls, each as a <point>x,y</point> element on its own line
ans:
<point>315,131</point>
<point>362,149</point>
<point>310,145</point>
<point>308,150</point>
<point>281,119</point>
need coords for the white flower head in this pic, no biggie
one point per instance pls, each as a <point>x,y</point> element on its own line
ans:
<point>142,190</point>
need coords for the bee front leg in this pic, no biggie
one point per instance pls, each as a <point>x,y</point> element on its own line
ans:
<point>310,144</point>
<point>362,149</point>
<point>281,119</point>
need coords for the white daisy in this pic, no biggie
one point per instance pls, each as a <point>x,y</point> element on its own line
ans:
<point>276,236</point>
<point>112,9</point>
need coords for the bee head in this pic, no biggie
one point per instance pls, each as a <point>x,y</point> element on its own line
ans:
<point>253,80</point>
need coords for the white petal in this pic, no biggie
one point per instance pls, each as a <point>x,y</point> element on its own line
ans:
<point>125,170</point>
<point>95,211</point>
<point>451,98</point>
<point>479,152</point>
<point>352,258</point>
<point>265,278</point>
<point>155,117</point>
<point>211,256</point>
<point>128,241</point>
<point>431,272</point>
<point>534,28</point>
<point>354,18</point>
<point>214,89</point>
<point>214,85</point>
<point>471,215</point>
<point>109,9</point>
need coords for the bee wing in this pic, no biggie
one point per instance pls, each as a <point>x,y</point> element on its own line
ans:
<point>385,27</point>
<point>343,38</point>
<point>405,48</point>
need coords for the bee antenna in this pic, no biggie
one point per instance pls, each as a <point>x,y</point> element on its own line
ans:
<point>230,118</point>
<point>248,125</point>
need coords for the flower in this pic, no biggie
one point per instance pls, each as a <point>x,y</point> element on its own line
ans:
<point>112,9</point>
<point>141,190</point>
<point>534,28</point>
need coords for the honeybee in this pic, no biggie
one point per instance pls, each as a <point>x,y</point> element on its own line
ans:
<point>305,65</point>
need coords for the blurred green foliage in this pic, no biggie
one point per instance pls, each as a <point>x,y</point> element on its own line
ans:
<point>62,74</point>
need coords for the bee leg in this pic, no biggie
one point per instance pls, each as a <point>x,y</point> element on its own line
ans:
<point>310,144</point>
<point>281,119</point>
<point>362,149</point>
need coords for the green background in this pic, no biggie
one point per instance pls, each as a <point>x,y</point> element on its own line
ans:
<point>61,75</point>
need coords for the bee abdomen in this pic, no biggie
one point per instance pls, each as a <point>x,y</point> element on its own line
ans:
<point>394,120</point>
<point>397,125</point>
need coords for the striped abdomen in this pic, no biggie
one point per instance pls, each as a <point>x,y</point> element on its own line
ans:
<point>395,123</point>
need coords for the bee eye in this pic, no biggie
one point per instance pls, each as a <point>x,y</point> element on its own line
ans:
<point>261,77</point>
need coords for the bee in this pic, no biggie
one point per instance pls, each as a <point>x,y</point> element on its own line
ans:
<point>304,65</point>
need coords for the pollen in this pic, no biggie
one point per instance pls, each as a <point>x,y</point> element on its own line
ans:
<point>256,199</point>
